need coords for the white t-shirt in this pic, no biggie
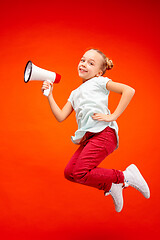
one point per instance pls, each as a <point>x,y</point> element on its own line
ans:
<point>89,98</point>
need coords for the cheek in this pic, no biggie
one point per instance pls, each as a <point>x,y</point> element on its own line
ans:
<point>93,69</point>
<point>78,65</point>
<point>98,69</point>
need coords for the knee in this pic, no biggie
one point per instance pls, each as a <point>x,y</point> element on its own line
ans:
<point>75,175</point>
<point>80,176</point>
<point>68,174</point>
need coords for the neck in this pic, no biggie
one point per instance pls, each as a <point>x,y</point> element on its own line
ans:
<point>85,80</point>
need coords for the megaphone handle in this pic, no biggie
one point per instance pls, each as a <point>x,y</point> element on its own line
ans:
<point>46,92</point>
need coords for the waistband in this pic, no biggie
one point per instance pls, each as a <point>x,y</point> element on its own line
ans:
<point>89,135</point>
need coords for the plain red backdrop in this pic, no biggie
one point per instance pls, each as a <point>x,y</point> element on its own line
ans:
<point>36,202</point>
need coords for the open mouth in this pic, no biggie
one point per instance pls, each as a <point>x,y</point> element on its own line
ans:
<point>82,70</point>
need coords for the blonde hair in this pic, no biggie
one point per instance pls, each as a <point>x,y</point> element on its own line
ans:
<point>107,63</point>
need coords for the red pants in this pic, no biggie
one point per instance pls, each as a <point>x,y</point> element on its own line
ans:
<point>82,168</point>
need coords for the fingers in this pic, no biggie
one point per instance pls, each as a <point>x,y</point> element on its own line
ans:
<point>99,116</point>
<point>104,117</point>
<point>98,119</point>
<point>96,116</point>
<point>46,85</point>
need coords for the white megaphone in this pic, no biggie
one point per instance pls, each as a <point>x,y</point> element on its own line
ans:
<point>32,73</point>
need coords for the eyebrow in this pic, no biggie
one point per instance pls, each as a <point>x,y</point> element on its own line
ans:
<point>90,59</point>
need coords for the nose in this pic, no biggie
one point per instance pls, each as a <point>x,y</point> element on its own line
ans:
<point>83,64</point>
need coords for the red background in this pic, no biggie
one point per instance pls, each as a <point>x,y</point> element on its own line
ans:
<point>36,202</point>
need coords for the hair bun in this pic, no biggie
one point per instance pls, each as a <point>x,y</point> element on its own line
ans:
<point>109,64</point>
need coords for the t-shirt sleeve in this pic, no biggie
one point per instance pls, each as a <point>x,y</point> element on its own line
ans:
<point>103,81</point>
<point>70,99</point>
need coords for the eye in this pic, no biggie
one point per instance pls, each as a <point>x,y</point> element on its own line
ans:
<point>91,63</point>
<point>82,60</point>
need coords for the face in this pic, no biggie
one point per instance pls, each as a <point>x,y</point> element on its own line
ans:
<point>90,65</point>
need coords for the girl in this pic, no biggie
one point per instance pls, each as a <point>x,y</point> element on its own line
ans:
<point>97,132</point>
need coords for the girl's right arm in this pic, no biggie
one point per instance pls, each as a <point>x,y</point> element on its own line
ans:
<point>60,114</point>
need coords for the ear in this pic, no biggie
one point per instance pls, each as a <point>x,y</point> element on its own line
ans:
<point>100,73</point>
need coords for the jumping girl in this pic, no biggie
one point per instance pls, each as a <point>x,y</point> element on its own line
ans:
<point>97,132</point>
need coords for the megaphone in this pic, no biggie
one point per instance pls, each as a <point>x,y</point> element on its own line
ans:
<point>34,73</point>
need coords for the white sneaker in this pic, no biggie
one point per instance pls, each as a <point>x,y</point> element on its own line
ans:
<point>134,178</point>
<point>116,193</point>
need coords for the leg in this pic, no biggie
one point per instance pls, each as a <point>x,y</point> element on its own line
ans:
<point>68,172</point>
<point>85,170</point>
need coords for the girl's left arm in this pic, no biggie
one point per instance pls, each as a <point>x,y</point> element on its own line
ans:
<point>126,92</point>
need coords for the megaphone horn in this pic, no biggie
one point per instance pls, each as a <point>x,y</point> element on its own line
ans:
<point>34,73</point>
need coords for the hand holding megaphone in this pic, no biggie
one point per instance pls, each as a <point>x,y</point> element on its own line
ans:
<point>34,73</point>
<point>47,86</point>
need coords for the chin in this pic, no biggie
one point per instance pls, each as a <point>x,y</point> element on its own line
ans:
<point>82,76</point>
